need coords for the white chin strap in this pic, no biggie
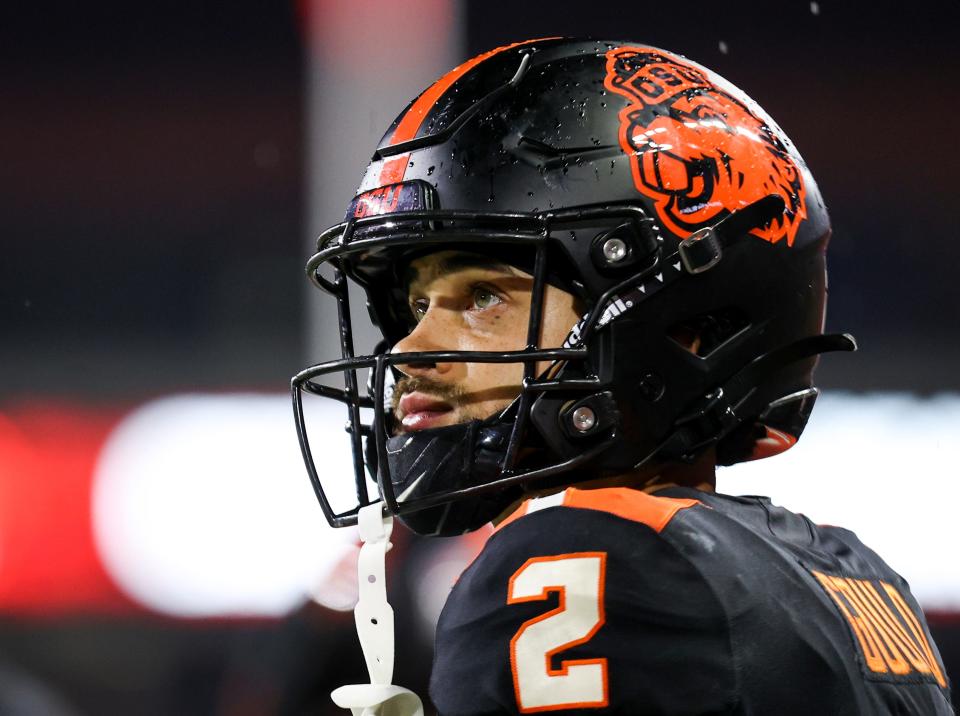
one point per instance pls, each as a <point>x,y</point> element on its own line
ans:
<point>374,617</point>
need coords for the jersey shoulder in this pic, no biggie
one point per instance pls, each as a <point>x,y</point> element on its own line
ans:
<point>819,602</point>
<point>652,511</point>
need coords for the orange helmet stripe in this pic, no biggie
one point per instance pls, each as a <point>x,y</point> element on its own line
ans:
<point>394,169</point>
<point>410,124</point>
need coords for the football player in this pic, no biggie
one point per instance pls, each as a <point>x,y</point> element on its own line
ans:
<point>598,270</point>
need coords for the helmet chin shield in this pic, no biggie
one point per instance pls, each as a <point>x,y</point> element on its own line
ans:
<point>434,461</point>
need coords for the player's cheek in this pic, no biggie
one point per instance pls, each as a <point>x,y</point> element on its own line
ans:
<point>495,375</point>
<point>559,316</point>
<point>502,327</point>
<point>492,386</point>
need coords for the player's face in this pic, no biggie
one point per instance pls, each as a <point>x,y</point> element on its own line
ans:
<point>467,302</point>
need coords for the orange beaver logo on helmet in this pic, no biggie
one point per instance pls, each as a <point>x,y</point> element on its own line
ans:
<point>697,151</point>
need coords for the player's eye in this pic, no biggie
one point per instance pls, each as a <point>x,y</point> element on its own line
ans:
<point>419,308</point>
<point>484,298</point>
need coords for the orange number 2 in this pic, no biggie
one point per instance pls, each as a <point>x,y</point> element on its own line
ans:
<point>578,578</point>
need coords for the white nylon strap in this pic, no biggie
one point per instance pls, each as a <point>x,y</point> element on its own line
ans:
<point>373,614</point>
<point>374,618</point>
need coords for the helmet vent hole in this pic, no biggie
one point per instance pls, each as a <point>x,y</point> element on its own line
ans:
<point>704,334</point>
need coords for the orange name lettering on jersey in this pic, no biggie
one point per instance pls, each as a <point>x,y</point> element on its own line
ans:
<point>888,633</point>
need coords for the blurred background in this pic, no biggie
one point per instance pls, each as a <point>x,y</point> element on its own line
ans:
<point>163,171</point>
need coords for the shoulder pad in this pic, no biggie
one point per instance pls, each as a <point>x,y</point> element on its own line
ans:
<point>625,502</point>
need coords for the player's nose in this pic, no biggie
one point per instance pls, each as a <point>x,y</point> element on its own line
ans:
<point>429,335</point>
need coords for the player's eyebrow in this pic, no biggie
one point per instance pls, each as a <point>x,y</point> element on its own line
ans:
<point>457,262</point>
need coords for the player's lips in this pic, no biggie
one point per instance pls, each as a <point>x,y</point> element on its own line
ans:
<point>419,411</point>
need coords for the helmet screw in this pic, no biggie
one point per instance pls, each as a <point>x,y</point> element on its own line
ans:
<point>614,250</point>
<point>584,419</point>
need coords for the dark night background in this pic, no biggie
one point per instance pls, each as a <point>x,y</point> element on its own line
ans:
<point>152,204</point>
<point>152,190</point>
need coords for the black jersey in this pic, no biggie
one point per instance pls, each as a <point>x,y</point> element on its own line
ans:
<point>618,601</point>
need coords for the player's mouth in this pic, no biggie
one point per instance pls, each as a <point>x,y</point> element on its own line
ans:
<point>419,411</point>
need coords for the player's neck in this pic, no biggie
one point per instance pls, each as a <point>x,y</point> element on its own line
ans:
<point>699,475</point>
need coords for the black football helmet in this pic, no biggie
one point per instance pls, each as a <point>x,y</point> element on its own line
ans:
<point>654,190</point>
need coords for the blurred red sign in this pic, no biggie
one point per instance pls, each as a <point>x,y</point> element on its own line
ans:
<point>49,564</point>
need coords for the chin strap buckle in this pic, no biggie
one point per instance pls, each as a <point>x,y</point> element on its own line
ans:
<point>700,251</point>
<point>703,249</point>
<point>374,618</point>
